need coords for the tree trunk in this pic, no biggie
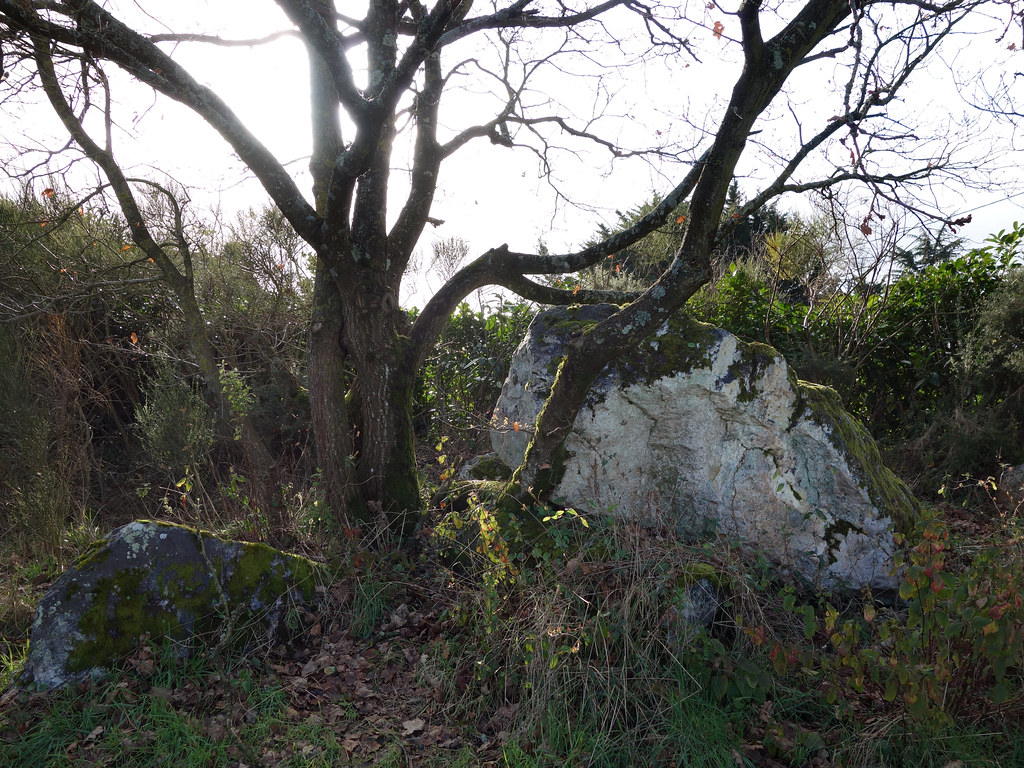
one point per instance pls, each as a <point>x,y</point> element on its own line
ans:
<point>328,388</point>
<point>376,337</point>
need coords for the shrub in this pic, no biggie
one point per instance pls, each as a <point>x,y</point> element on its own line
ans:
<point>458,386</point>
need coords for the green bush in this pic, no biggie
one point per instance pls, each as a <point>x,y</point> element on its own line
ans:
<point>177,425</point>
<point>458,386</point>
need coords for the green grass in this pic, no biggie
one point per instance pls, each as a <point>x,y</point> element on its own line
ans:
<point>168,717</point>
<point>903,745</point>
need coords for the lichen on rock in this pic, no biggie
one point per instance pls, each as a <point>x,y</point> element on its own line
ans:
<point>703,432</point>
<point>165,581</point>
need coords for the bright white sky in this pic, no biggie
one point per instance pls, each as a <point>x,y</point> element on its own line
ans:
<point>489,195</point>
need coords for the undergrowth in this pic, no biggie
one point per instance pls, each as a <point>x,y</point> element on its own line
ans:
<point>620,646</point>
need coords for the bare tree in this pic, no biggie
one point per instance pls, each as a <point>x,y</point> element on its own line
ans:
<point>383,75</point>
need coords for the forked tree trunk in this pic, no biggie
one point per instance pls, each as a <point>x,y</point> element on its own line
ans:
<point>376,338</point>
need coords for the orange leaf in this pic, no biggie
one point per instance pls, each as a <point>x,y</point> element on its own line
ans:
<point>48,192</point>
<point>515,426</point>
<point>718,29</point>
<point>81,211</point>
<point>135,339</point>
<point>618,267</point>
<point>126,248</point>
<point>151,260</point>
<point>575,290</point>
<point>681,219</point>
<point>43,223</point>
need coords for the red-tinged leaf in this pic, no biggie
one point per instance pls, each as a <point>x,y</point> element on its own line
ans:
<point>126,248</point>
<point>618,267</point>
<point>280,265</point>
<point>135,339</point>
<point>865,228</point>
<point>575,290</point>
<point>718,29</point>
<point>680,219</point>
<point>515,426</point>
<point>48,192</point>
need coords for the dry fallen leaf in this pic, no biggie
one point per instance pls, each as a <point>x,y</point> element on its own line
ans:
<point>413,726</point>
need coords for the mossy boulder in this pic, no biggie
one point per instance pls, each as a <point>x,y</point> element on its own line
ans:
<point>164,581</point>
<point>704,433</point>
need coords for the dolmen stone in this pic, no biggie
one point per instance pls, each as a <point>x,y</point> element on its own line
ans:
<point>704,433</point>
<point>165,581</point>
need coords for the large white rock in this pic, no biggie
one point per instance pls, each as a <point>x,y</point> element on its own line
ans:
<point>700,431</point>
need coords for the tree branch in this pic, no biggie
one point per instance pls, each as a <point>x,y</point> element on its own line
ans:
<point>100,35</point>
<point>318,34</point>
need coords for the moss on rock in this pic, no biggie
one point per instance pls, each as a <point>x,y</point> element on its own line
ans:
<point>888,493</point>
<point>164,581</point>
